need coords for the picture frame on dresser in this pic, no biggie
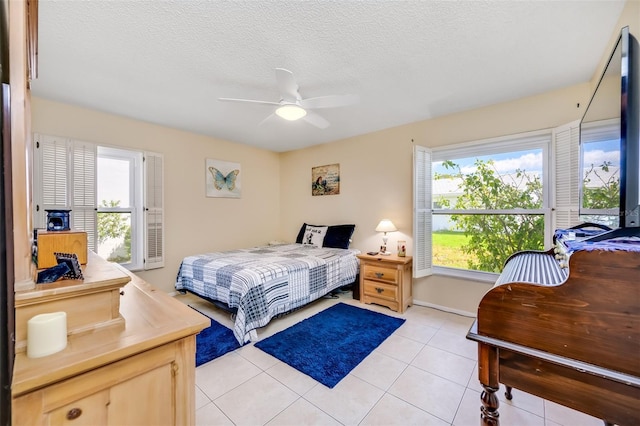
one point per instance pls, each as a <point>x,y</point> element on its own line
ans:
<point>71,259</point>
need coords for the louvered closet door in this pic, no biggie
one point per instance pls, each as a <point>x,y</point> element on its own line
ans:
<point>50,175</point>
<point>83,214</point>
<point>154,211</point>
<point>422,221</point>
<point>566,141</point>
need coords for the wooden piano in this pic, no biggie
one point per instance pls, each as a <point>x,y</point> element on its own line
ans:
<point>570,335</point>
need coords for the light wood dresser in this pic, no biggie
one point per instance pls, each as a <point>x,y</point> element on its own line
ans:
<point>386,280</point>
<point>130,357</point>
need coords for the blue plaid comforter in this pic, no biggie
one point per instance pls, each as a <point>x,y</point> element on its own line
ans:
<point>263,282</point>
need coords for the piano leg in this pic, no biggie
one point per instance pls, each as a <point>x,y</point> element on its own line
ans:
<point>488,374</point>
<point>489,409</point>
<point>507,393</point>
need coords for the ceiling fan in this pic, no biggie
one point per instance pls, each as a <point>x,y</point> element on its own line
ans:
<point>293,107</point>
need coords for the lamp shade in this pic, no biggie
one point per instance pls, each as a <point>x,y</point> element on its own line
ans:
<point>291,112</point>
<point>386,225</point>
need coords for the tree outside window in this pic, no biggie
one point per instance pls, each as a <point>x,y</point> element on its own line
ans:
<point>600,178</point>
<point>485,240</point>
<point>483,212</point>
<point>114,233</point>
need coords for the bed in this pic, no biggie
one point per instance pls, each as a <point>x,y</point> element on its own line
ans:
<point>268,281</point>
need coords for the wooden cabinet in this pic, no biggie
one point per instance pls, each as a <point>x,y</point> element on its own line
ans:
<point>137,390</point>
<point>139,370</point>
<point>386,280</point>
<point>51,242</point>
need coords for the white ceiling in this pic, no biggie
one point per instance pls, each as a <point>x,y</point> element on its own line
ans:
<point>168,61</point>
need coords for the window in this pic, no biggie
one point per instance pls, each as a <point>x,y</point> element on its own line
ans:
<point>600,168</point>
<point>115,195</point>
<point>477,203</point>
<point>119,210</point>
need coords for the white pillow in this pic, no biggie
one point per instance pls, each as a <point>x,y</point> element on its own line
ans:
<point>314,235</point>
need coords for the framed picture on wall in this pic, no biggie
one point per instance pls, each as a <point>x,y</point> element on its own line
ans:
<point>325,180</point>
<point>223,179</point>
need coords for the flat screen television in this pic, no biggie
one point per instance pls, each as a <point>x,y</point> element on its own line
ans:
<point>610,145</point>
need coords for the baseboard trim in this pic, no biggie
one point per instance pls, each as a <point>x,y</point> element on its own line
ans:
<point>444,308</point>
<point>415,302</point>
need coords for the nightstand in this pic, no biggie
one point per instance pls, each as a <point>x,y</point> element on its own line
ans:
<point>386,280</point>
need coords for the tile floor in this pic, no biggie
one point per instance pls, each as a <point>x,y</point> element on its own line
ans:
<point>423,374</point>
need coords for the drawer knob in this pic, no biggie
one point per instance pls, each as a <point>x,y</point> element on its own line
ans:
<point>379,274</point>
<point>74,413</point>
<point>379,290</point>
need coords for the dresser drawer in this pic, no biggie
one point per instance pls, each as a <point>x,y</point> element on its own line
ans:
<point>381,290</point>
<point>380,273</point>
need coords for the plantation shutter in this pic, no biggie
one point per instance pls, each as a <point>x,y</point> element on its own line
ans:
<point>153,211</point>
<point>84,195</point>
<point>50,177</point>
<point>422,222</point>
<point>566,140</point>
<point>64,178</point>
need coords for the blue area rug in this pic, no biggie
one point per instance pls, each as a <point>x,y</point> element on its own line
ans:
<point>328,345</point>
<point>214,341</point>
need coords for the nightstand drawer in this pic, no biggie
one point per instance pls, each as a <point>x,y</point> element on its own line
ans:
<point>380,273</point>
<point>381,290</point>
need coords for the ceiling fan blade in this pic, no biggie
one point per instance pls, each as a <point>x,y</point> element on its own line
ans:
<point>248,100</point>
<point>315,119</point>
<point>287,85</point>
<point>268,119</point>
<point>331,101</point>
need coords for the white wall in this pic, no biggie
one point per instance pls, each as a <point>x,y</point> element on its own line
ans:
<point>377,170</point>
<point>376,176</point>
<point>194,223</point>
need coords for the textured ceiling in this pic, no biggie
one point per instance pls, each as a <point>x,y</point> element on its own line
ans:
<point>168,62</point>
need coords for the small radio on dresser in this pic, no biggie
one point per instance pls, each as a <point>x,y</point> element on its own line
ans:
<point>58,220</point>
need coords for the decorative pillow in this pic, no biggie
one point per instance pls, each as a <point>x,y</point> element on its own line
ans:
<point>314,235</point>
<point>338,236</point>
<point>301,233</point>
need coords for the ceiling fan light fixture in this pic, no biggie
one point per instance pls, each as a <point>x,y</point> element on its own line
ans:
<point>291,112</point>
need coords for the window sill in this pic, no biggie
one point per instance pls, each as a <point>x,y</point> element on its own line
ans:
<point>485,277</point>
<point>131,267</point>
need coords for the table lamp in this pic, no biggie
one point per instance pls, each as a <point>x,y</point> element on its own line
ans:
<point>385,226</point>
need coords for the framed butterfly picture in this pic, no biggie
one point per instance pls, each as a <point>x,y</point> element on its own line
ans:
<point>223,179</point>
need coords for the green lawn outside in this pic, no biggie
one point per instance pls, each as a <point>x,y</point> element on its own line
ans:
<point>446,249</point>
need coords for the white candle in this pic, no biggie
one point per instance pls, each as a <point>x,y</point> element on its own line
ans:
<point>46,334</point>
